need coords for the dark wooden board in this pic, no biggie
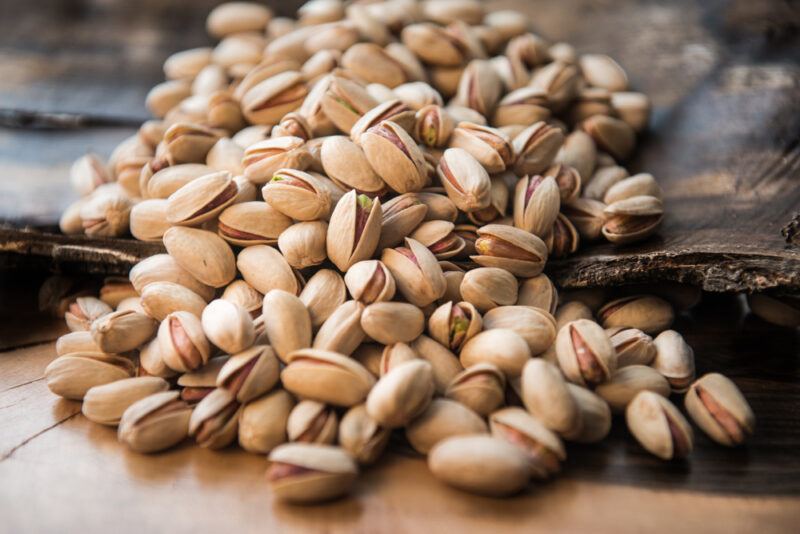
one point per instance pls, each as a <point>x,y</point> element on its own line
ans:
<point>723,141</point>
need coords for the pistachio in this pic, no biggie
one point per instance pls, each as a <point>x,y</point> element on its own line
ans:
<point>70,222</point>
<point>237,17</point>
<point>658,426</point>
<point>611,135</point>
<point>543,448</point>
<point>717,406</point>
<point>72,375</point>
<point>500,347</point>
<point>642,184</point>
<point>327,377</point>
<point>168,180</point>
<point>228,326</point>
<point>587,216</point>
<point>547,396</point>
<point>354,230</point>
<point>106,213</point>
<point>594,419</point>
<point>252,223</point>
<point>264,159</point>
<point>198,384</point>
<point>497,205</point>
<point>270,99</point>
<point>262,423</point>
<point>416,272</point>
<point>122,331</point>
<point>370,281</point>
<point>633,347</point>
<point>148,219</point>
<point>312,422</point>
<point>264,268</point>
<point>215,419</point>
<point>536,148</point>
<point>287,323</point>
<point>580,152</point>
<point>465,180</point>
<point>572,311</point>
<point>89,172</point>
<point>394,156</point>
<point>433,44</point>
<point>401,215</point>
<point>84,311</point>
<point>539,292</point>
<point>392,109</point>
<point>440,238</point>
<point>442,419</point>
<point>536,204</point>
<point>480,88</point>
<point>342,331</point>
<point>394,355</point>
<point>480,387</point>
<point>602,71</point>
<point>151,363</point>
<point>454,324</point>
<point>305,472</point>
<point>298,195</point>
<point>560,81</point>
<point>106,403</point>
<point>392,322</point>
<point>402,394</point>
<point>513,249</point>
<point>628,381</point>
<point>204,254</point>
<point>523,105</point>
<point>182,344</point>
<point>155,423</point>
<point>489,287</point>
<point>674,359</point>
<point>648,313</point>
<point>78,341</point>
<point>323,293</point>
<point>303,244</point>
<point>433,125</point>
<point>369,355</point>
<point>632,219</point>
<point>159,299</point>
<point>585,354</point>
<point>783,311</point>
<point>361,436</point>
<point>480,464</point>
<point>633,108</point>
<point>490,147</point>
<point>293,125</point>
<point>189,143</point>
<point>346,164</point>
<point>345,101</point>
<point>602,180</point>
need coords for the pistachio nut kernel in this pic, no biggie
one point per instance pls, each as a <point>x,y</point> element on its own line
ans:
<point>674,359</point>
<point>627,382</point>
<point>326,377</point>
<point>106,403</point>
<point>480,387</point>
<point>658,426</point>
<point>370,281</point>
<point>298,195</point>
<point>718,407</point>
<point>648,313</point>
<point>306,472</point>
<point>402,394</point>
<point>536,204</point>
<point>395,157</point>
<point>519,252</point>
<point>490,146</point>
<point>501,347</point>
<point>215,420</point>
<point>544,449</point>
<point>417,274</point>
<point>632,219</point>
<point>182,344</point>
<point>454,324</point>
<point>312,422</point>
<point>361,436</point>
<point>155,423</point>
<point>464,179</point>
<point>442,419</point>
<point>354,230</point>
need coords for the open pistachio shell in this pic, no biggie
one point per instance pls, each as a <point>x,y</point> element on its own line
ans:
<point>305,472</point>
<point>326,377</point>
<point>717,406</point>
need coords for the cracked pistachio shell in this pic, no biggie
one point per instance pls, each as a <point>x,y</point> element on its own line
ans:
<point>539,292</point>
<point>84,311</point>
<point>182,344</point>
<point>262,423</point>
<point>442,419</point>
<point>585,354</point>
<point>464,179</point>
<point>594,416</point>
<point>394,156</point>
<point>79,341</point>
<point>204,254</point>
<point>164,268</point>
<point>455,323</point>
<point>151,363</point>
<point>440,238</point>
<point>293,125</point>
<point>197,384</point>
<point>515,250</point>
<point>269,100</point>
<point>354,230</point>
<point>529,48</point>
<point>579,151</point>
<point>122,331</point>
<point>440,207</point>
<point>149,219</point>
<point>215,420</point>
<point>489,287</point>
<point>326,377</point>
<point>394,355</point>
<point>106,213</point>
<point>627,382</point>
<point>371,62</point>
<point>392,109</point>
<point>417,274</point>
<point>480,387</point>
<point>573,311</point>
<point>547,397</point>
<point>433,44</point>
<point>72,375</point>
<point>658,426</point>
<point>674,359</point>
<point>159,299</point>
<point>632,219</point>
<point>434,125</point>
<point>489,146</point>
<point>264,158</point>
<point>536,148</point>
<point>287,322</point>
<point>602,180</point>
<point>342,331</point>
<point>480,464</point>
<point>166,95</point>
<point>587,216</point>
<point>228,326</point>
<point>400,216</point>
<point>252,223</point>
<point>298,195</point>
<point>105,404</point>
<point>264,268</point>
<point>560,81</point>
<point>186,142</point>
<point>479,88</point>
<point>346,164</point>
<point>717,406</point>
<point>323,293</point>
<point>611,135</point>
<point>536,204</point>
<point>501,347</point>
<point>361,436</point>
<point>648,313</point>
<point>310,472</point>
<point>155,423</point>
<point>497,205</point>
<point>453,280</point>
<point>563,239</point>
<point>633,347</point>
<point>642,184</point>
<point>187,63</point>
<point>392,322</point>
<point>401,394</point>
<point>370,281</point>
<point>344,102</point>
<point>303,244</point>
<point>524,105</point>
<point>544,449</point>
<point>168,180</point>
<point>445,364</point>
<point>312,422</point>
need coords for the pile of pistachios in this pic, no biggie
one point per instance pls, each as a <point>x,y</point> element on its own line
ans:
<point>382,283</point>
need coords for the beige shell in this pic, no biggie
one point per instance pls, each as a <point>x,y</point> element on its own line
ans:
<point>122,331</point>
<point>326,377</point>
<point>155,423</point>
<point>322,294</point>
<point>392,322</point>
<point>536,204</point>
<point>501,347</point>
<point>264,268</point>
<point>539,292</point>
<point>215,420</point>
<point>264,158</point>
<point>480,387</point>
<point>674,359</point>
<point>325,472</point>
<point>159,299</point>
<point>442,419</point>
<point>454,324</point>
<point>658,426</point>
<point>544,448</point>
<point>536,326</point>
<point>354,230</point>
<point>515,250</point>
<point>312,422</point>
<point>585,354</point>
<point>401,394</point>
<point>420,280</point>
<point>262,424</point>
<point>287,323</point>
<point>346,164</point>
<point>370,281</point>
<point>204,254</point>
<point>182,344</point>
<point>394,156</point>
<point>547,397</point>
<point>164,268</point>
<point>105,404</point>
<point>627,381</point>
<point>297,194</point>
<point>361,436</point>
<point>464,179</point>
<point>489,287</point>
<point>648,313</point>
<point>72,375</point>
<point>252,223</point>
<point>201,199</point>
<point>717,406</point>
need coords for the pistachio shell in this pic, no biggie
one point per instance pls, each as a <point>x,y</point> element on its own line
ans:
<point>298,195</point>
<point>585,354</point>
<point>442,419</point>
<point>305,472</point>
<point>323,293</point>
<point>536,326</point>
<point>159,299</point>
<point>392,322</point>
<point>547,397</point>
<point>312,422</point>
<point>182,344</point>
<point>454,324</point>
<point>544,448</point>
<point>252,223</point>
<point>361,436</point>
<point>326,377</point>
<point>164,268</point>
<point>155,423</point>
<point>122,331</point>
<point>215,420</point>
<point>264,158</point>
<point>465,180</point>
<point>354,230</point>
<point>262,424</point>
<point>480,387</point>
<point>106,403</point>
<point>658,426</point>
<point>489,287</point>
<point>519,252</point>
<point>228,326</point>
<point>265,269</point>
<point>401,394</point>
<point>717,406</point>
<point>303,244</point>
<point>501,347</point>
<point>287,322</point>
<point>72,375</point>
<point>416,272</point>
<point>674,359</point>
<point>204,254</point>
<point>394,156</point>
<point>342,331</point>
<point>538,292</point>
<point>626,382</point>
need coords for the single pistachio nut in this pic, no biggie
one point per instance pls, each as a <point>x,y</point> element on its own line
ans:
<point>237,17</point>
<point>648,313</point>
<point>524,105</point>
<point>354,230</point>
<point>560,81</point>
<point>155,423</point>
<point>633,108</point>
<point>453,324</point>
<point>445,364</point>
<point>115,289</point>
<point>78,341</point>
<point>303,244</point>
<point>612,135</point>
<point>187,142</point>
<point>164,268</point>
<point>370,281</point>
<point>72,375</point>
<point>633,347</point>
<point>347,165</point>
<point>312,422</point>
<point>464,179</point>
<point>580,152</point>
<point>489,287</point>
<point>536,204</point>
<point>490,147</point>
<point>539,292</point>
<point>269,100</point>
<point>658,426</point>
<point>480,87</point>
<point>585,354</point>
<point>182,344</point>
<point>106,213</point>
<point>394,355</point>
<point>515,250</point>
<point>252,223</point>
<point>496,210</point>
<point>594,419</point>
<point>602,180</point>
<point>480,464</point>
<point>264,268</point>
<point>402,394</point>
<point>89,172</point>
<point>228,326</point>
<point>196,385</point>
<point>122,331</point>
<point>306,472</point>
<point>480,387</point>
<point>394,156</point>
<point>265,158</point>
<point>392,322</point>
<point>434,125</point>
<point>323,293</point>
<point>287,322</point>
<point>587,216</point>
<point>544,449</point>
<point>159,299</point>
<point>718,407</point>
<point>391,109</point>
<point>298,195</point>
<point>106,403</point>
<point>204,254</point>
<point>151,363</point>
<point>440,238</point>
<point>148,220</point>
<point>250,373</point>
<point>500,347</point>
<point>417,274</point>
<point>344,102</point>
<point>547,396</point>
<point>674,359</point>
<point>601,71</point>
<point>215,419</point>
<point>442,419</point>
<point>627,382</point>
<point>572,311</point>
<point>632,219</point>
<point>262,423</point>
<point>326,377</point>
<point>342,331</point>
<point>361,436</point>
<point>563,238</point>
<point>400,216</point>
<point>536,148</point>
<point>642,184</point>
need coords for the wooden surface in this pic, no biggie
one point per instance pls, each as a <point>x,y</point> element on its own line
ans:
<point>73,475</point>
<point>723,141</point>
